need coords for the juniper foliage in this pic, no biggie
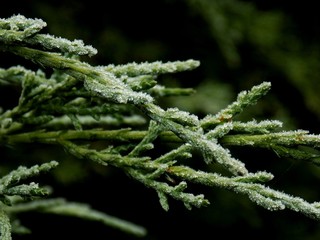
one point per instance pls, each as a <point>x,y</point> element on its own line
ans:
<point>117,106</point>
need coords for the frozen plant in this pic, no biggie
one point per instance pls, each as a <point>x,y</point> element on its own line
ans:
<point>117,106</point>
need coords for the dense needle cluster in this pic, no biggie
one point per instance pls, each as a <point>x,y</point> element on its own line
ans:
<point>117,106</point>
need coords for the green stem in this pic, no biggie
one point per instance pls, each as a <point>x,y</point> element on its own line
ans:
<point>46,59</point>
<point>289,138</point>
<point>53,137</point>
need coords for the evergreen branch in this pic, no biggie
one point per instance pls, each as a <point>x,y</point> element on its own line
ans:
<point>298,153</point>
<point>244,99</point>
<point>286,138</point>
<point>9,187</point>
<point>182,152</point>
<point>61,44</point>
<point>81,103</point>
<point>36,91</point>
<point>118,135</point>
<point>211,150</point>
<point>255,127</point>
<point>24,190</point>
<point>18,28</point>
<point>175,192</point>
<point>13,75</point>
<point>299,144</point>
<point>95,122</point>
<point>130,164</point>
<point>154,68</point>
<point>5,226</point>
<point>85,212</point>
<point>22,173</point>
<point>62,207</point>
<point>146,142</point>
<point>140,83</point>
<point>96,81</point>
<point>161,91</point>
<point>114,159</point>
<point>262,195</point>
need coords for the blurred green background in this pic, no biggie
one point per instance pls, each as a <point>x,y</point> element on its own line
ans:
<point>240,44</point>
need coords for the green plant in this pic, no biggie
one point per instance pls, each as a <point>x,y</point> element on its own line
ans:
<point>109,115</point>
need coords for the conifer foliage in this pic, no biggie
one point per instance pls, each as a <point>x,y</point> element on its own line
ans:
<point>116,105</point>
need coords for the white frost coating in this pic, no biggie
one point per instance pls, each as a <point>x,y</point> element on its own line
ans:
<point>20,22</point>
<point>213,151</point>
<point>261,176</point>
<point>257,127</point>
<point>268,203</point>
<point>109,87</point>
<point>181,186</point>
<point>74,47</point>
<point>244,99</point>
<point>220,130</point>
<point>154,68</point>
<point>163,199</point>
<point>182,116</point>
<point>19,27</point>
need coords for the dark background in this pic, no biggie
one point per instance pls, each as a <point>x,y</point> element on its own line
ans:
<point>240,44</point>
